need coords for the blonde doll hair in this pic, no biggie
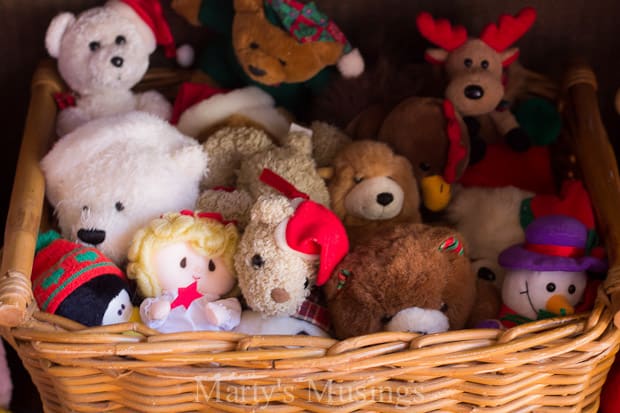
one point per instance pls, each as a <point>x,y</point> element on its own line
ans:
<point>207,236</point>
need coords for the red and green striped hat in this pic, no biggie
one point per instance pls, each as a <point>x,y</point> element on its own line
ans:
<point>60,267</point>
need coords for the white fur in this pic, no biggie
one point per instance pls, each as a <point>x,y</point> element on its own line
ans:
<point>253,323</point>
<point>134,158</point>
<point>489,220</point>
<point>185,55</point>
<point>351,64</point>
<point>57,28</point>
<point>419,320</point>
<point>102,88</point>
<point>250,101</point>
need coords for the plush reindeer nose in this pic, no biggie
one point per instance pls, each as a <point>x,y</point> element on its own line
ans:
<point>474,92</point>
<point>117,61</point>
<point>279,295</point>
<point>256,71</point>
<point>91,236</point>
<point>385,198</point>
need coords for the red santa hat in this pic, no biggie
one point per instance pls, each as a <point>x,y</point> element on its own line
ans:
<point>312,229</point>
<point>152,14</point>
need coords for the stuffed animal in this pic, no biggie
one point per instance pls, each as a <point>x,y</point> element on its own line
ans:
<point>546,275</point>
<point>241,154</point>
<point>476,68</point>
<point>493,219</point>
<point>111,176</point>
<point>79,283</point>
<point>434,138</point>
<point>282,46</point>
<point>290,244</point>
<point>200,110</point>
<point>370,187</point>
<point>102,53</point>
<point>183,264</point>
<point>408,277</point>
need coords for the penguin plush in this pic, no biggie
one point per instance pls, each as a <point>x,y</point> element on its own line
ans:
<point>79,283</point>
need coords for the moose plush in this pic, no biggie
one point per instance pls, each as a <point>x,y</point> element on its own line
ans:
<point>476,69</point>
<point>102,53</point>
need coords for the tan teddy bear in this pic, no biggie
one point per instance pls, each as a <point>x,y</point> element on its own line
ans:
<point>241,154</point>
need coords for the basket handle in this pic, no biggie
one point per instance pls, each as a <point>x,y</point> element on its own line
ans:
<point>24,216</point>
<point>598,166</point>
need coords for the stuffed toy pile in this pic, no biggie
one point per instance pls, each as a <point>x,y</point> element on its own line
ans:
<point>228,211</point>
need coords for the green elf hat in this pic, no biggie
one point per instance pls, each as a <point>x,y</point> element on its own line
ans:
<point>306,23</point>
<point>60,267</point>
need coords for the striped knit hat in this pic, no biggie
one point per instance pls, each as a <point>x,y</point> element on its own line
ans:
<point>60,267</point>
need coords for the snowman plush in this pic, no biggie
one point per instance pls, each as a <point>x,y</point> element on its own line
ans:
<point>546,275</point>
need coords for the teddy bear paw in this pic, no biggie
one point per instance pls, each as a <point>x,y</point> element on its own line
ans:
<point>419,320</point>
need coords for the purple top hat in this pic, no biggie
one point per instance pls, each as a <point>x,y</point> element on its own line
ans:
<point>553,243</point>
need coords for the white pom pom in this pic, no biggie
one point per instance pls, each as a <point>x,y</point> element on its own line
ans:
<point>185,55</point>
<point>351,64</point>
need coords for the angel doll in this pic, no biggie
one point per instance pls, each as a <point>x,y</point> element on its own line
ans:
<point>183,265</point>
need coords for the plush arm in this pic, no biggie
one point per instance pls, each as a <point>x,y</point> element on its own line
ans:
<point>225,313</point>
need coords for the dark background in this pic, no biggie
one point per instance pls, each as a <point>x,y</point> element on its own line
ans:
<point>565,29</point>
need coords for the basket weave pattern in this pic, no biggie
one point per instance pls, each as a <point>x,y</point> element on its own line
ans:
<point>554,365</point>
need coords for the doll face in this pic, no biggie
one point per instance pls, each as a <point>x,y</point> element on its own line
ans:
<point>178,265</point>
<point>119,309</point>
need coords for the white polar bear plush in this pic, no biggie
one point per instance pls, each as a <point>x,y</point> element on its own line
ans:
<point>113,175</point>
<point>102,53</point>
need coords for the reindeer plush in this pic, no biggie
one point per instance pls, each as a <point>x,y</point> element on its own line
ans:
<point>475,70</point>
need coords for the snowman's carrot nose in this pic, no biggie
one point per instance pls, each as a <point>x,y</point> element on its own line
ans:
<point>558,304</point>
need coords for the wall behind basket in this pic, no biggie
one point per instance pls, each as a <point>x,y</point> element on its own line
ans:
<point>564,28</point>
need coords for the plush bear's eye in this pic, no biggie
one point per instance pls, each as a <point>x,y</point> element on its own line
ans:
<point>85,208</point>
<point>572,289</point>
<point>282,62</point>
<point>119,206</point>
<point>484,64</point>
<point>257,261</point>
<point>307,283</point>
<point>424,166</point>
<point>211,266</point>
<point>94,46</point>
<point>120,40</point>
<point>551,287</point>
<point>183,262</point>
<point>253,45</point>
<point>468,62</point>
<point>358,179</point>
<point>444,307</point>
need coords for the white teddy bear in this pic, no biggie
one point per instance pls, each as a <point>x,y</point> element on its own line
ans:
<point>102,53</point>
<point>113,175</point>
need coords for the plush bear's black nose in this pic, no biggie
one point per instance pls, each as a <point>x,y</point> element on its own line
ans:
<point>256,71</point>
<point>91,236</point>
<point>117,61</point>
<point>385,198</point>
<point>474,92</point>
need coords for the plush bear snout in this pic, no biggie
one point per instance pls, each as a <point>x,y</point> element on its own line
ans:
<point>280,295</point>
<point>385,198</point>
<point>91,236</point>
<point>117,61</point>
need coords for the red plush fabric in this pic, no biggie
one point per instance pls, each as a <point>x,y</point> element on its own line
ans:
<point>190,94</point>
<point>501,166</point>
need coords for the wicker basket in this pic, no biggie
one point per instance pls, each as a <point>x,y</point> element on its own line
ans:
<point>555,365</point>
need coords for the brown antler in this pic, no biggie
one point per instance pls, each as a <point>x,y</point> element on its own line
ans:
<point>440,32</point>
<point>510,29</point>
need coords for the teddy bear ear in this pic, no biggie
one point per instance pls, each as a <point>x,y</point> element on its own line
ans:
<point>56,30</point>
<point>300,141</point>
<point>192,160</point>
<point>271,209</point>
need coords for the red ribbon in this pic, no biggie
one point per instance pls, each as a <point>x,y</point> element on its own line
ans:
<point>64,100</point>
<point>210,215</point>
<point>556,250</point>
<point>456,149</point>
<point>280,184</point>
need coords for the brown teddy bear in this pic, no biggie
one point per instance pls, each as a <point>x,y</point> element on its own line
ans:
<point>281,46</point>
<point>371,186</point>
<point>408,277</point>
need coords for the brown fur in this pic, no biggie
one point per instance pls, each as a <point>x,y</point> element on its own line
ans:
<point>279,54</point>
<point>369,159</point>
<point>400,267</point>
<point>416,129</point>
